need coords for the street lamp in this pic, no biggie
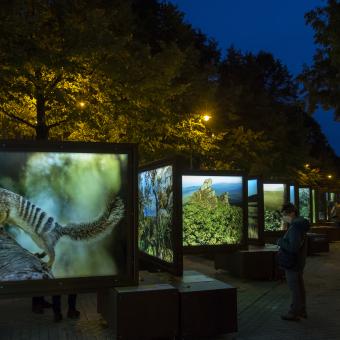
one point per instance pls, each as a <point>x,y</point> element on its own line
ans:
<point>200,119</point>
<point>82,104</point>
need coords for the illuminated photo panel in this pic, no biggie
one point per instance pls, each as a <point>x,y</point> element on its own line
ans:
<point>304,202</point>
<point>253,209</point>
<point>156,213</point>
<point>67,208</point>
<point>313,206</point>
<point>212,210</point>
<point>274,197</point>
<point>292,198</point>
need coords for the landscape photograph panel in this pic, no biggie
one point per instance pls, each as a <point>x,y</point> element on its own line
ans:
<point>212,210</point>
<point>274,198</point>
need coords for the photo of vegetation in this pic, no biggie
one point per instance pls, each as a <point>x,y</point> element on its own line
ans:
<point>212,210</point>
<point>304,202</point>
<point>155,199</point>
<point>67,209</point>
<point>274,198</point>
<point>253,225</point>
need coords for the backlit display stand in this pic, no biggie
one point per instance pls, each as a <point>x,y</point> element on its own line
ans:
<point>305,202</point>
<point>160,218</point>
<point>321,203</point>
<point>255,211</point>
<point>214,211</point>
<point>70,222</point>
<point>275,194</point>
<point>171,202</point>
<point>294,194</point>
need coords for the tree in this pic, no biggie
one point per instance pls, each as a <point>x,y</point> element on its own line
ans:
<point>96,70</point>
<point>258,93</point>
<point>51,53</point>
<point>321,80</point>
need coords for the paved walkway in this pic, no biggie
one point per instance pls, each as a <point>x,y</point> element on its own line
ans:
<point>259,307</point>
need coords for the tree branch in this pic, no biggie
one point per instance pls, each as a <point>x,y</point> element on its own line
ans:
<point>21,120</point>
<point>57,123</point>
<point>55,82</point>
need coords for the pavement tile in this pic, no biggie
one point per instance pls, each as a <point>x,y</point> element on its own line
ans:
<point>260,304</point>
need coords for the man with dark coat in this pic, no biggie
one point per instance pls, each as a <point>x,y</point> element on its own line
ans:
<point>292,258</point>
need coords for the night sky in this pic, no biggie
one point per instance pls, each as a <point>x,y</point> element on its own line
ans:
<point>276,26</point>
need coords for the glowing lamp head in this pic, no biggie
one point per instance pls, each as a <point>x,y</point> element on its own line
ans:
<point>82,104</point>
<point>206,118</point>
<point>330,176</point>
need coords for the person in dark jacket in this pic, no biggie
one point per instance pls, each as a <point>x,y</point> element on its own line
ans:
<point>293,246</point>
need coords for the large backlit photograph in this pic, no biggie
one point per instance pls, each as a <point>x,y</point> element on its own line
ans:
<point>67,210</point>
<point>274,198</point>
<point>304,202</point>
<point>212,210</point>
<point>253,209</point>
<point>156,213</point>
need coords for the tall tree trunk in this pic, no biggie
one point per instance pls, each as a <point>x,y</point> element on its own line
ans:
<point>42,130</point>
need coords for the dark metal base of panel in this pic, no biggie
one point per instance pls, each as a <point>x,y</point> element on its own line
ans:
<point>208,307</point>
<point>257,263</point>
<point>205,308</point>
<point>317,243</point>
<point>142,312</point>
<point>332,232</point>
<point>273,236</point>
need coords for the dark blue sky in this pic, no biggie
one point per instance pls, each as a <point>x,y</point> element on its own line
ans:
<point>277,26</point>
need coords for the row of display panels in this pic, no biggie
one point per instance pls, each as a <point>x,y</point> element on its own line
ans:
<point>189,211</point>
<point>202,211</point>
<point>207,211</point>
<point>323,202</point>
<point>75,204</point>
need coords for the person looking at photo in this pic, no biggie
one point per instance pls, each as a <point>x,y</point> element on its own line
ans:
<point>292,258</point>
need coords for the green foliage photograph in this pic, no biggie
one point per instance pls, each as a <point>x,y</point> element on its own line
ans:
<point>212,210</point>
<point>253,210</point>
<point>304,202</point>
<point>155,222</point>
<point>274,198</point>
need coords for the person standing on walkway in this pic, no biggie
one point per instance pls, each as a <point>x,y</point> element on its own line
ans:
<point>39,304</point>
<point>72,312</point>
<point>292,258</point>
